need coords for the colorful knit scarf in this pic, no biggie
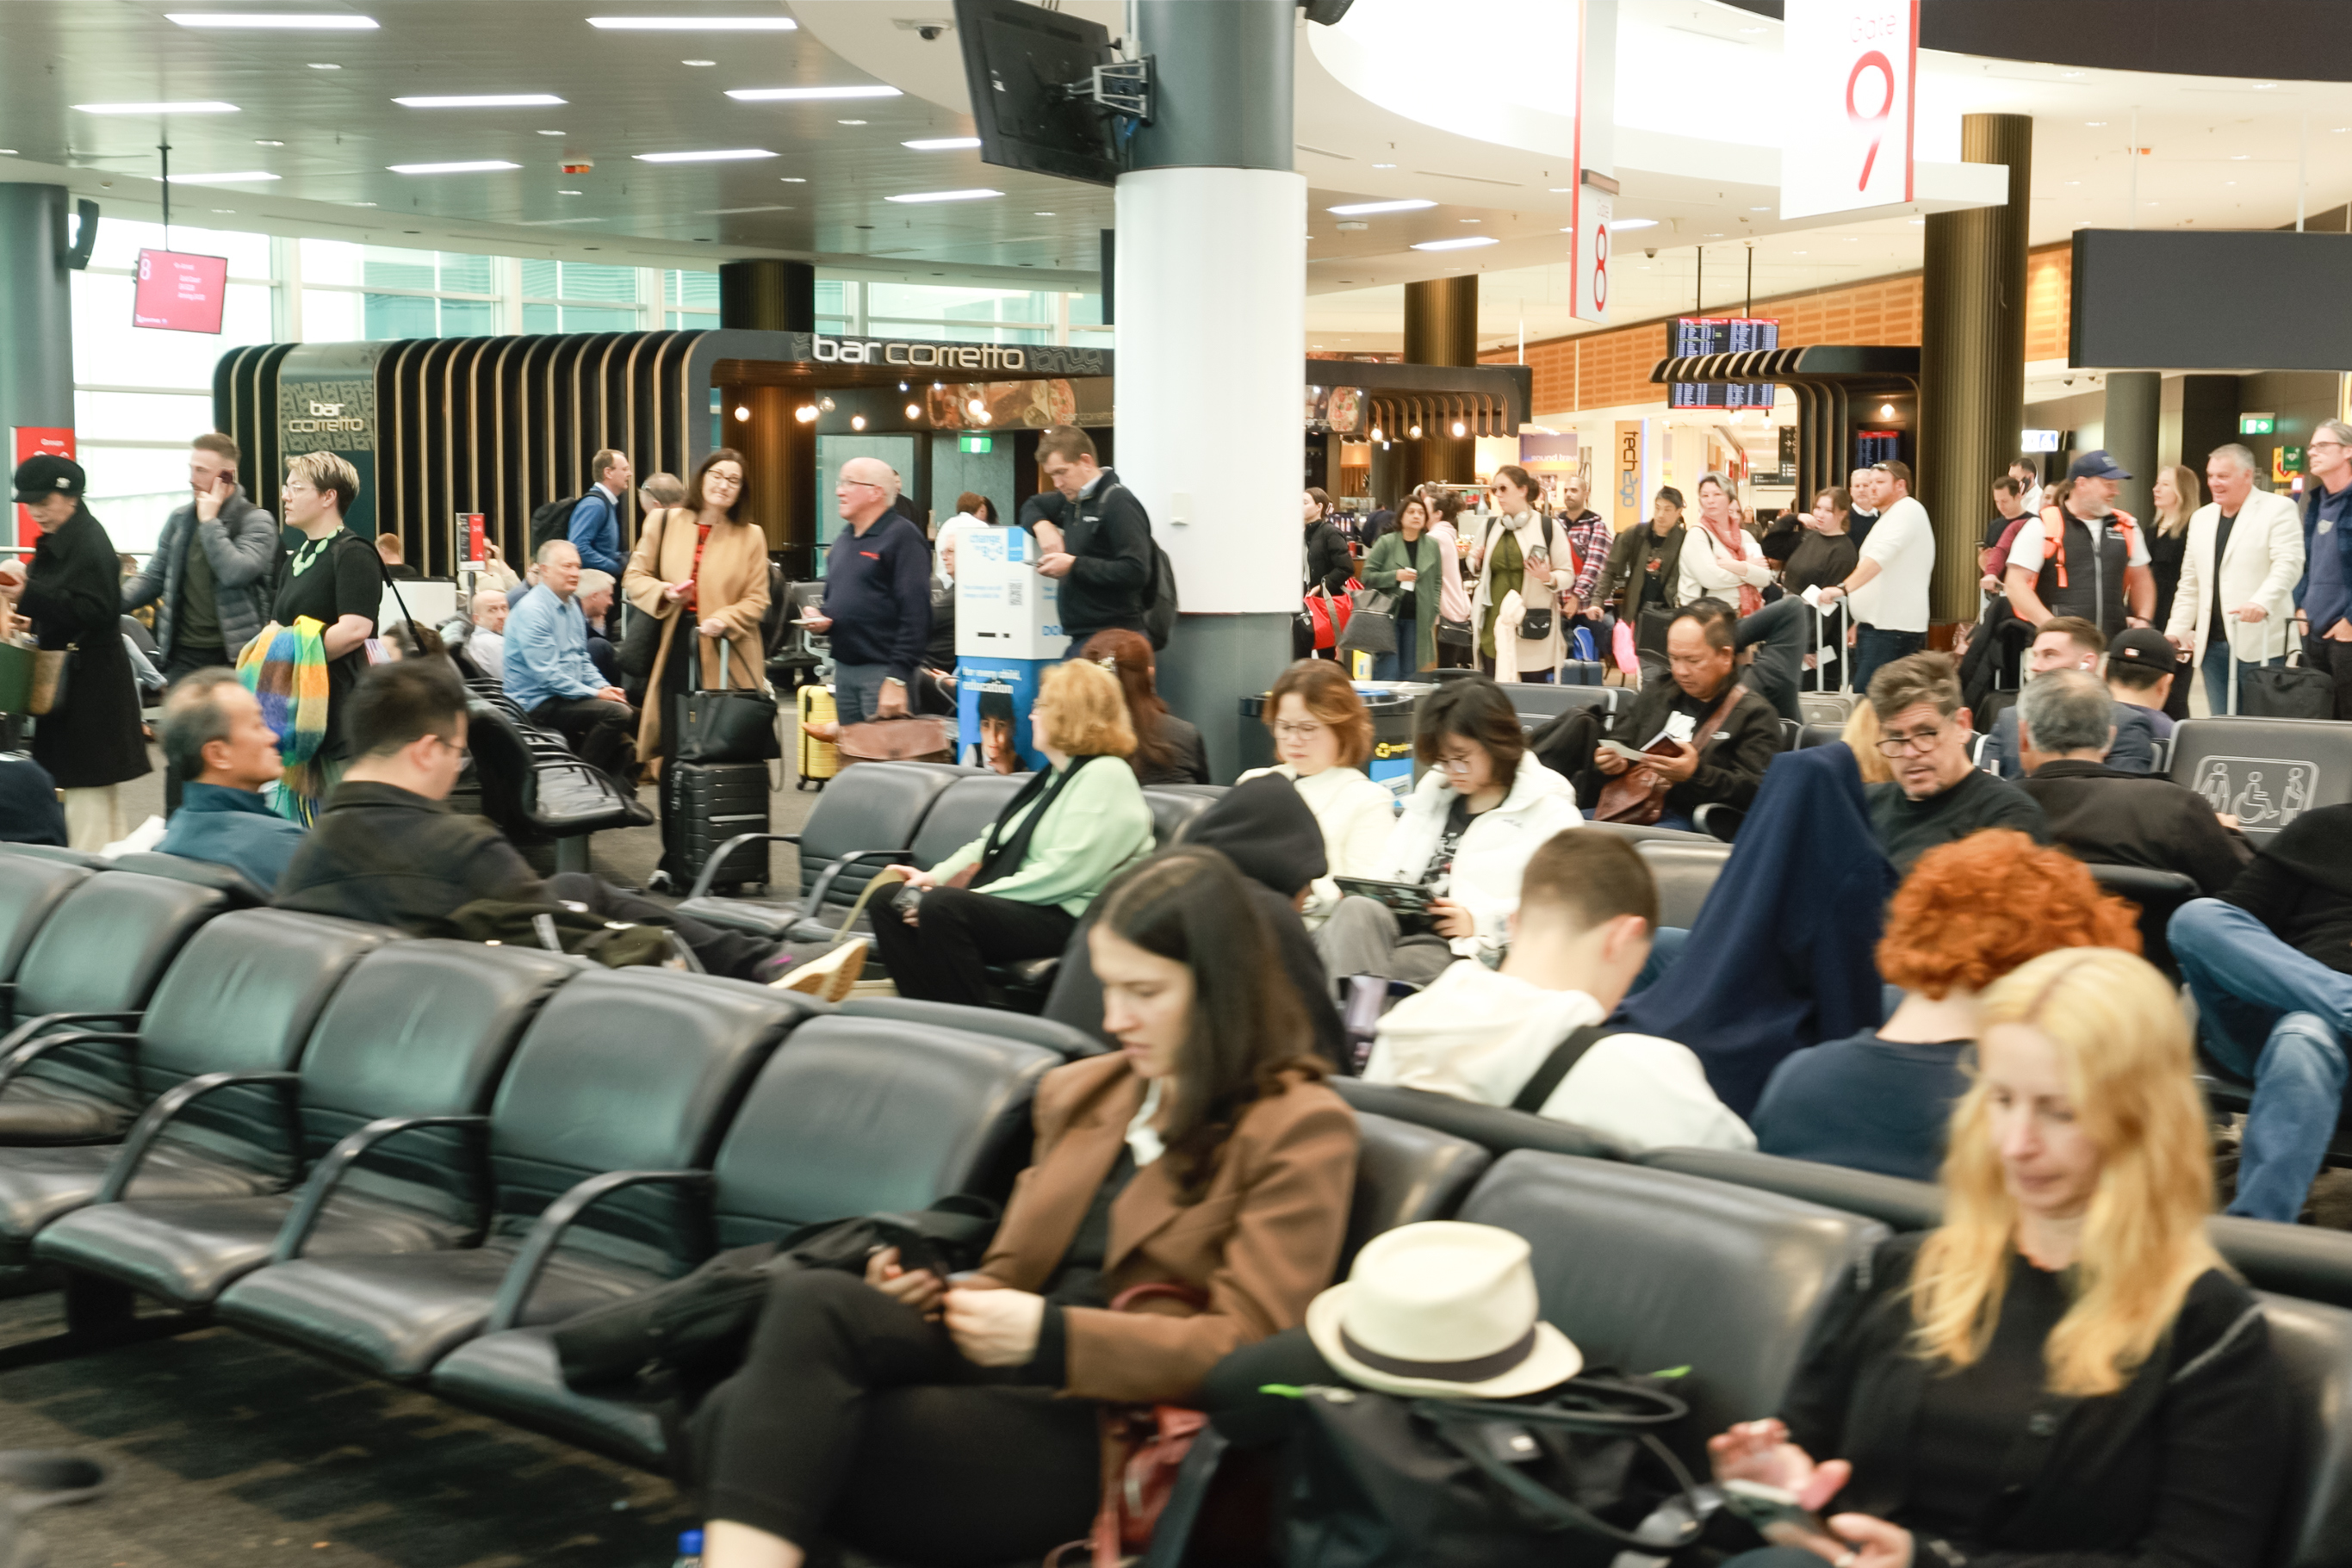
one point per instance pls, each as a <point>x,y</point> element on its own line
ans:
<point>286,668</point>
<point>1731,535</point>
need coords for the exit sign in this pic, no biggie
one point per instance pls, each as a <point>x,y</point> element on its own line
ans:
<point>975,443</point>
<point>2257,424</point>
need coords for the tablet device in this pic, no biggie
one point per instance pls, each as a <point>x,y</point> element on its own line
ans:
<point>1404,897</point>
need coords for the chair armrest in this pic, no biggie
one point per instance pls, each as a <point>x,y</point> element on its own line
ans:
<point>1718,820</point>
<point>832,873</point>
<point>150,1125</point>
<point>329,1171</point>
<point>31,1027</point>
<point>16,1061</point>
<point>522,1274</point>
<point>701,888</point>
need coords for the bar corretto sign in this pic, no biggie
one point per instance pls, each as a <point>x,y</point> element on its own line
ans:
<point>919,356</point>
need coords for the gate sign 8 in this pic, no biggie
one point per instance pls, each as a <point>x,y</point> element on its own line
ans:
<point>1593,266</point>
<point>1855,66</point>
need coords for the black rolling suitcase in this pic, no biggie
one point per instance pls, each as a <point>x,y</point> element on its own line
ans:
<point>711,802</point>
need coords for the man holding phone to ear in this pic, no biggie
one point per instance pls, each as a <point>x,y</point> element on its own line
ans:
<point>210,576</point>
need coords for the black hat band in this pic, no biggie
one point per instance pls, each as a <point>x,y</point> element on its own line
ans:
<point>1476,1369</point>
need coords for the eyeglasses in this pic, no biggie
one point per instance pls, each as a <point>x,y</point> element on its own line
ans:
<point>1919,742</point>
<point>862,485</point>
<point>1457,764</point>
<point>2327,445</point>
<point>1308,730</point>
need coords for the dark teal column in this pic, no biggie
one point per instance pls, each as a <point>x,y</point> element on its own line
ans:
<point>36,375</point>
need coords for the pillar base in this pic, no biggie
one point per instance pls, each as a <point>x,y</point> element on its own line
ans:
<point>1210,664</point>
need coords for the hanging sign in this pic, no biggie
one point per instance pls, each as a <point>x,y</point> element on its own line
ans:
<point>1852,66</point>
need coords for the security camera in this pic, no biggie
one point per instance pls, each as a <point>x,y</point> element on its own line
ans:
<point>1651,252</point>
<point>930,32</point>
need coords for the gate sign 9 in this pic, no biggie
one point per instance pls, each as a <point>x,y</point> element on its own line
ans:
<point>1855,65</point>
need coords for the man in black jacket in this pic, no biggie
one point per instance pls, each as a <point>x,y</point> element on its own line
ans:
<point>1104,561</point>
<point>1644,571</point>
<point>2270,963</point>
<point>1723,766</point>
<point>389,851</point>
<point>2104,815</point>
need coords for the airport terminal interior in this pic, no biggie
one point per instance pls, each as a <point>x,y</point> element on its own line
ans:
<point>1249,783</point>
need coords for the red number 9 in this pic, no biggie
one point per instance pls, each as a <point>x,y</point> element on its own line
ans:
<point>1877,62</point>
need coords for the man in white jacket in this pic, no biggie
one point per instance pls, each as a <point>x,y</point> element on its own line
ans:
<point>2238,574</point>
<point>1526,1035</point>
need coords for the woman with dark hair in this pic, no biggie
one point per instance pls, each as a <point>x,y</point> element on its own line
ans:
<point>916,1421</point>
<point>1515,562</point>
<point>1402,563</point>
<point>71,593</point>
<point>1453,599</point>
<point>1168,749</point>
<point>1826,555</point>
<point>1482,808</point>
<point>695,565</point>
<point>1327,567</point>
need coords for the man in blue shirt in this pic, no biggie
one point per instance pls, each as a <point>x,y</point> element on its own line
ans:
<point>548,674</point>
<point>2324,597</point>
<point>594,528</point>
<point>215,738</point>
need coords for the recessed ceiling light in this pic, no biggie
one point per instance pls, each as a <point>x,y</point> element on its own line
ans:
<point>571,192</point>
<point>1464,243</point>
<point>1044,214</point>
<point>333,21</point>
<point>258,143</point>
<point>359,204</point>
<point>483,100</point>
<point>551,133</point>
<point>249,176</point>
<point>2240,157</point>
<point>479,166</point>
<point>945,196</point>
<point>2094,124</point>
<point>795,180</point>
<point>226,212</point>
<point>2070,74</point>
<point>694,23</point>
<point>1469,220</point>
<point>1377,166</point>
<point>798,94</point>
<point>2264,86</point>
<point>942,143</point>
<point>7,152</point>
<point>203,106</point>
<point>324,66</point>
<point>1631,223</point>
<point>718,155</point>
<point>849,122</point>
<point>1354,209</point>
<point>1796,252</point>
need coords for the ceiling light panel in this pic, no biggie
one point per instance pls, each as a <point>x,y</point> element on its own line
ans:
<point>1463,244</point>
<point>293,21</point>
<point>916,196</point>
<point>480,166</point>
<point>200,107</point>
<point>942,143</point>
<point>250,177</point>
<point>694,23</point>
<point>1356,209</point>
<point>718,155</point>
<point>805,94</point>
<point>484,101</point>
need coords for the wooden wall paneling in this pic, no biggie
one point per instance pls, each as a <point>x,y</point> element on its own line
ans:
<point>506,467</point>
<point>533,404</point>
<point>397,434</point>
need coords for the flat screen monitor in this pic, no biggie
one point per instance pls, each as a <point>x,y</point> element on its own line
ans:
<point>1690,336</point>
<point>180,293</point>
<point>1017,57</point>
<point>2218,299</point>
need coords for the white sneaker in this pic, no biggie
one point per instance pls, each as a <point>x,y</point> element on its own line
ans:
<point>831,978</point>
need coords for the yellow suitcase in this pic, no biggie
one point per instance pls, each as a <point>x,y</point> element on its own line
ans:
<point>819,759</point>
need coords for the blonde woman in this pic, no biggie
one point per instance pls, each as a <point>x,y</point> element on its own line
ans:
<point>2176,498</point>
<point>1056,846</point>
<point>2064,1369</point>
<point>703,576</point>
<point>336,579</point>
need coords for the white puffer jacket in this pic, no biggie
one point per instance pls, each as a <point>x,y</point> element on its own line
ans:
<point>1493,851</point>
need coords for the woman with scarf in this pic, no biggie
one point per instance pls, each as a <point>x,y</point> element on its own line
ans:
<point>1721,559</point>
<point>1513,560</point>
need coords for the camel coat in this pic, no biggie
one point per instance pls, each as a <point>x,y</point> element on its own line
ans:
<point>732,587</point>
<point>1260,1243</point>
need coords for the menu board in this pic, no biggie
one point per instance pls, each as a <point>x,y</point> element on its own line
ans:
<point>1688,336</point>
<point>180,293</point>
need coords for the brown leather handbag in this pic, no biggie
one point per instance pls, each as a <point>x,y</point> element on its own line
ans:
<point>1637,797</point>
<point>915,737</point>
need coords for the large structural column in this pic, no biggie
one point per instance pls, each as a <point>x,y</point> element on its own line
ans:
<point>1973,356</point>
<point>780,491</point>
<point>2133,408</point>
<point>768,296</point>
<point>1212,283</point>
<point>37,376</point>
<point>1440,328</point>
<point>2208,418</point>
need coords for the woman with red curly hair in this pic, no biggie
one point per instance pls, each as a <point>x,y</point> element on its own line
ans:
<point>1969,912</point>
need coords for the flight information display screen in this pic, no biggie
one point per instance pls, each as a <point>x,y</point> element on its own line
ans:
<point>1688,335</point>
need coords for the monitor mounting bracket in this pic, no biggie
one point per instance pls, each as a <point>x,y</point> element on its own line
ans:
<point>1122,88</point>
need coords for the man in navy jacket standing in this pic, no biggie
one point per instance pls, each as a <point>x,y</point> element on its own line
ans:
<point>877,596</point>
<point>594,526</point>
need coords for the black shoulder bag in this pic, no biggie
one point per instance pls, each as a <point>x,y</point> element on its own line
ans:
<point>1538,1090</point>
<point>641,639</point>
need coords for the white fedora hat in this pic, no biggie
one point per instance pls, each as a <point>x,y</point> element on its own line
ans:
<point>1442,1307</point>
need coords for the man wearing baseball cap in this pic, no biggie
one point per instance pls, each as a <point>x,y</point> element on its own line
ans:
<point>2140,667</point>
<point>70,592</point>
<point>2083,558</point>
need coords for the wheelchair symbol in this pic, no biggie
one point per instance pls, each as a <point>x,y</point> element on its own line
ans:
<point>2264,793</point>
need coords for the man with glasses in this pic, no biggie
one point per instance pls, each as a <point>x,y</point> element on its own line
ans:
<point>1936,795</point>
<point>1705,738</point>
<point>2324,597</point>
<point>388,851</point>
<point>877,596</point>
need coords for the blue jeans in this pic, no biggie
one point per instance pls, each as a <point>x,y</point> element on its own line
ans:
<point>2216,669</point>
<point>1401,664</point>
<point>1874,647</point>
<point>2271,1014</point>
<point>857,691</point>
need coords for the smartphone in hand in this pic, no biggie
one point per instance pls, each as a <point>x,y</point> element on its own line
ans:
<point>1764,1506</point>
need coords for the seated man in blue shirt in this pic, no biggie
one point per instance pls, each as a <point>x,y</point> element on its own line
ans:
<point>549,672</point>
<point>29,811</point>
<point>215,738</point>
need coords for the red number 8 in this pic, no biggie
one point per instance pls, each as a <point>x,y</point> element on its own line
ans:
<point>1600,267</point>
<point>1872,60</point>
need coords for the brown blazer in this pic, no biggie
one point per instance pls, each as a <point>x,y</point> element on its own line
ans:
<point>1263,1239</point>
<point>732,586</point>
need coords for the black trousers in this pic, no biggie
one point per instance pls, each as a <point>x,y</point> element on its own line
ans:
<point>734,954</point>
<point>603,733</point>
<point>945,957</point>
<point>677,679</point>
<point>854,1420</point>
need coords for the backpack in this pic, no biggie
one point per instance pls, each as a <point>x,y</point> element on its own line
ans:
<point>1160,605</point>
<point>552,521</point>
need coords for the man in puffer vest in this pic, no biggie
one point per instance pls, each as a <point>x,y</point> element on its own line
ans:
<point>2082,557</point>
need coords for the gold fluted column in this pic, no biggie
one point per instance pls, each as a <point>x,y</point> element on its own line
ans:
<point>1973,356</point>
<point>1440,328</point>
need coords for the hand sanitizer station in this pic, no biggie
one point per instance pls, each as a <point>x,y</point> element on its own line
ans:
<point>1008,630</point>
